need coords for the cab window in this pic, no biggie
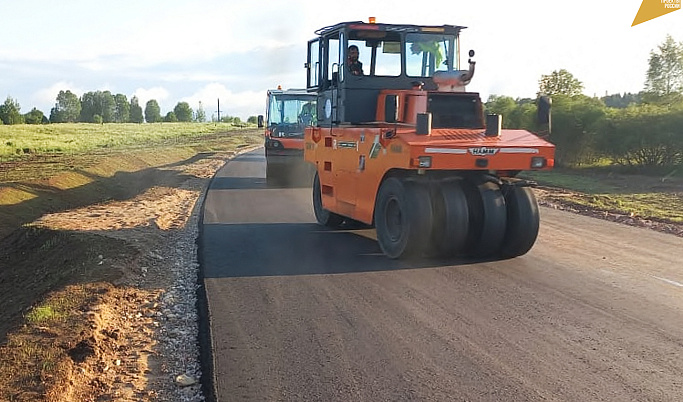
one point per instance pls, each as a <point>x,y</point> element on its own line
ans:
<point>427,53</point>
<point>382,47</point>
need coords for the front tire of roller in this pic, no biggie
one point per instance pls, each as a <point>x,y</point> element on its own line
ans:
<point>403,218</point>
<point>523,221</point>
<point>323,216</point>
<point>451,219</point>
<point>488,216</point>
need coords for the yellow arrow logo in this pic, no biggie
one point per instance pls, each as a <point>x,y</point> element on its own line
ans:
<point>651,9</point>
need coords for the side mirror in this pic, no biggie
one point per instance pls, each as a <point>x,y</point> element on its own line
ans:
<point>423,124</point>
<point>391,108</point>
<point>494,124</point>
<point>543,113</point>
<point>259,120</point>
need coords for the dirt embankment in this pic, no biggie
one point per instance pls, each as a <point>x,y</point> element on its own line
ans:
<point>85,263</point>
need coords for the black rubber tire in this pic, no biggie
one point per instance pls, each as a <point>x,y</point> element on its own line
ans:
<point>403,218</point>
<point>523,221</point>
<point>488,216</point>
<point>451,218</point>
<point>272,174</point>
<point>323,216</point>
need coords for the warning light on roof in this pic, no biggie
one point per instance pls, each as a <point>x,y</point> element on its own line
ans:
<point>372,20</point>
<point>279,87</point>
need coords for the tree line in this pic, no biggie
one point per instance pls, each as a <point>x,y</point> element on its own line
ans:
<point>634,130</point>
<point>104,107</point>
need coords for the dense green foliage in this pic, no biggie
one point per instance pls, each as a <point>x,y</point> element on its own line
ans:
<point>97,103</point>
<point>518,113</point>
<point>104,107</point>
<point>200,116</point>
<point>171,117</point>
<point>152,111</point>
<point>586,131</point>
<point>136,111</point>
<point>9,112</point>
<point>665,71</point>
<point>560,83</point>
<point>35,116</point>
<point>644,135</point>
<point>634,130</point>
<point>621,101</point>
<point>121,109</point>
<point>183,112</point>
<point>67,109</point>
<point>574,123</point>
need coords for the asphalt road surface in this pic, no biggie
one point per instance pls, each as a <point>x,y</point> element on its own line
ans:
<point>594,312</point>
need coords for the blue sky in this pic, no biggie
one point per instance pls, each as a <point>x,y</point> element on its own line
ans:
<point>234,51</point>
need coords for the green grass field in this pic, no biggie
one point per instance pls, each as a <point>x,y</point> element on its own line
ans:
<point>17,141</point>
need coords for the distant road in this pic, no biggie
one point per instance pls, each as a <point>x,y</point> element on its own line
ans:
<point>594,312</point>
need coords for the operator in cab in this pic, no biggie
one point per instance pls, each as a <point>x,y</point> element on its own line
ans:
<point>353,64</point>
<point>308,113</point>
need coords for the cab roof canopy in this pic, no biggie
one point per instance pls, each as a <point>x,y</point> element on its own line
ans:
<point>360,25</point>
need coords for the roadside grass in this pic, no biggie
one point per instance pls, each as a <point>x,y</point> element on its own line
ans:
<point>44,313</point>
<point>572,180</point>
<point>57,307</point>
<point>17,141</point>
<point>655,195</point>
<point>35,151</point>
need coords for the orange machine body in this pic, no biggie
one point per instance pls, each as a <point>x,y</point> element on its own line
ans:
<point>401,145</point>
<point>352,160</point>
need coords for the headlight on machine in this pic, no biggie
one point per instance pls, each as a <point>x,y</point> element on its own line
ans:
<point>273,144</point>
<point>424,162</point>
<point>538,162</point>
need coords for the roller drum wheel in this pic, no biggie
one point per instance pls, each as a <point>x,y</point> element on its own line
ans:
<point>403,218</point>
<point>523,221</point>
<point>488,216</point>
<point>273,175</point>
<point>451,219</point>
<point>323,216</point>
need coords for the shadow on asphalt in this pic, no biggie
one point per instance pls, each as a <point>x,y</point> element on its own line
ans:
<point>283,249</point>
<point>256,183</point>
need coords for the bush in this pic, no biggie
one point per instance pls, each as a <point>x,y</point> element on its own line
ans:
<point>575,123</point>
<point>171,118</point>
<point>644,135</point>
<point>35,116</point>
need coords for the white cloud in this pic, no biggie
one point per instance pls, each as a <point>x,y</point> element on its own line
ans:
<point>160,94</point>
<point>183,76</point>
<point>240,104</point>
<point>48,95</point>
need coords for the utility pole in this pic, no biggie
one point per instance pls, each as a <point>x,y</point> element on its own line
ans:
<point>219,110</point>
